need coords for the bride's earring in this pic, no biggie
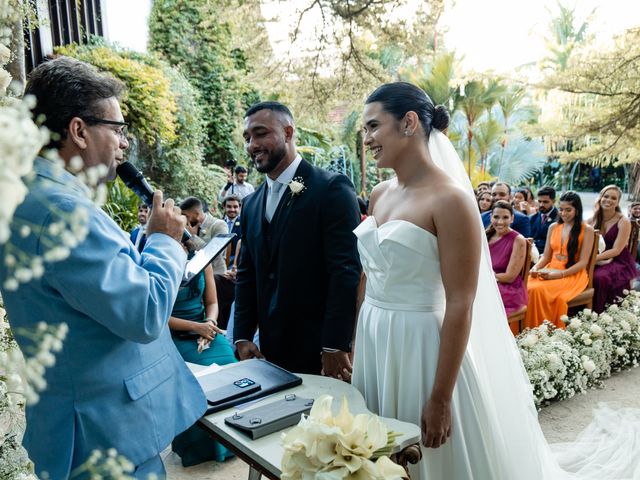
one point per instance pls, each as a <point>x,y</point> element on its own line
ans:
<point>407,133</point>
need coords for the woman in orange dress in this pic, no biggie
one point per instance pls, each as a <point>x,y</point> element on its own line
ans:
<point>561,272</point>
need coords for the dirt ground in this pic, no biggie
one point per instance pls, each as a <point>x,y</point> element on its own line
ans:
<point>561,422</point>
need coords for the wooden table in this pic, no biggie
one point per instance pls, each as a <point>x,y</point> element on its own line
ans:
<point>264,454</point>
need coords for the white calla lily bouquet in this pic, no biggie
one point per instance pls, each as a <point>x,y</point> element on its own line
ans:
<point>325,447</point>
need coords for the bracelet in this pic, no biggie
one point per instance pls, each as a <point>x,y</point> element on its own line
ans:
<point>209,319</point>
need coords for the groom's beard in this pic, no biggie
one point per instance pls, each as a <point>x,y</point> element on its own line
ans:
<point>273,159</point>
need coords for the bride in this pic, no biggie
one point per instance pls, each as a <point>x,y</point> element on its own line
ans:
<point>432,345</point>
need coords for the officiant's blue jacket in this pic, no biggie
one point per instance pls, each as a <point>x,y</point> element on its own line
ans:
<point>118,381</point>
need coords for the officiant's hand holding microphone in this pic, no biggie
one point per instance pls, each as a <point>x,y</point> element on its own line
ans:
<point>166,218</point>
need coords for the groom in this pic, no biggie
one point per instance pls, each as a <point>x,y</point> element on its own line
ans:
<point>299,269</point>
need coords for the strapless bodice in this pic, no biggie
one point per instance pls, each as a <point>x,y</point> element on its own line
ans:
<point>402,264</point>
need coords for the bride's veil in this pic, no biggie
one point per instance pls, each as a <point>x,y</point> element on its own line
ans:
<point>503,382</point>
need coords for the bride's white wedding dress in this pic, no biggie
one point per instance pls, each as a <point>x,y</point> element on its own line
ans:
<point>495,431</point>
<point>397,345</point>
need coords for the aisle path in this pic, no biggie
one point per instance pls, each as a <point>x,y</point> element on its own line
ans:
<point>560,422</point>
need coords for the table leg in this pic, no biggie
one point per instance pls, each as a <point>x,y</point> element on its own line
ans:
<point>409,455</point>
<point>254,474</point>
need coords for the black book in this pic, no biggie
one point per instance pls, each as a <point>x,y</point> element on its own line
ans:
<point>246,374</point>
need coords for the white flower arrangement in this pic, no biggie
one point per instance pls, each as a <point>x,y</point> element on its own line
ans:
<point>562,363</point>
<point>322,446</point>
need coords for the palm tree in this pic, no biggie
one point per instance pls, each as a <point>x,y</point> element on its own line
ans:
<point>478,98</point>
<point>565,35</point>
<point>486,135</point>
<point>436,79</point>
<point>511,107</point>
<point>522,159</point>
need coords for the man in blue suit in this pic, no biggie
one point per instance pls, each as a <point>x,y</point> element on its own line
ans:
<point>139,234</point>
<point>118,381</point>
<point>502,191</point>
<point>547,214</point>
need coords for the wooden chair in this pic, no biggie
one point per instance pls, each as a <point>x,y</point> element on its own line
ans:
<point>585,298</point>
<point>633,239</point>
<point>518,315</point>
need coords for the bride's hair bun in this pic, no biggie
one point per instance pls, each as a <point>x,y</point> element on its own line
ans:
<point>440,118</point>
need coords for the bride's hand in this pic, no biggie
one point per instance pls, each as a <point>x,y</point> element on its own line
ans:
<point>435,423</point>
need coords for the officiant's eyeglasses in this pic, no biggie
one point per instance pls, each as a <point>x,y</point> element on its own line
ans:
<point>122,132</point>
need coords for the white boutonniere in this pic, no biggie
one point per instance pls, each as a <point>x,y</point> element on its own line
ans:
<point>296,186</point>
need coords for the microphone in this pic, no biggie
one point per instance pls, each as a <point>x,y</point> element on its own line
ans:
<point>133,178</point>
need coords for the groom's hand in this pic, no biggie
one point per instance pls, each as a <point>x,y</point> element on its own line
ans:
<point>337,365</point>
<point>247,350</point>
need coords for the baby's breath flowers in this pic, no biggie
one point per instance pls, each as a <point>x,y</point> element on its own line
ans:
<point>562,363</point>
<point>110,465</point>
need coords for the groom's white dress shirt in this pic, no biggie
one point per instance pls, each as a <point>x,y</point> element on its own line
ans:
<point>284,178</point>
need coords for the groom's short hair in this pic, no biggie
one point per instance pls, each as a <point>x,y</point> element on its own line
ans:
<point>273,106</point>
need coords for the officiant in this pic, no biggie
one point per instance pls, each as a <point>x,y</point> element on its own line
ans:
<point>118,381</point>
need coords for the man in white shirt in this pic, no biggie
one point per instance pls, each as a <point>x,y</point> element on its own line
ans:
<point>240,187</point>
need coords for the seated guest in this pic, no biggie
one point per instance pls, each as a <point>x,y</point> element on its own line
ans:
<point>194,323</point>
<point>561,272</point>
<point>634,218</point>
<point>546,215</point>
<point>205,226</point>
<point>634,211</point>
<point>502,191</point>
<point>523,202</point>
<point>483,187</point>
<point>195,333</point>
<point>485,201</point>
<point>139,234</point>
<point>508,254</point>
<point>615,266</point>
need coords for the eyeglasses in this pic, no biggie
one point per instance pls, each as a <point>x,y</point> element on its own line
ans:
<point>122,132</point>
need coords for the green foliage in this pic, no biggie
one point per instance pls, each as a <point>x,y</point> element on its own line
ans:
<point>436,78</point>
<point>565,33</point>
<point>167,121</point>
<point>149,103</point>
<point>122,205</point>
<point>188,34</point>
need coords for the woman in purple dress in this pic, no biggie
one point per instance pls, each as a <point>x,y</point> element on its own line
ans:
<point>508,251</point>
<point>615,267</point>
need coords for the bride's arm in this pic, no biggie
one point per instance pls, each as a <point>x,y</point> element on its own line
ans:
<point>459,244</point>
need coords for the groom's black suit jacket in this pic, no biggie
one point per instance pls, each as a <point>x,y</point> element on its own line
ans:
<point>298,276</point>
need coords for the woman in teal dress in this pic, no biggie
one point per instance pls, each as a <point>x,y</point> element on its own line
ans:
<point>194,327</point>
<point>193,323</point>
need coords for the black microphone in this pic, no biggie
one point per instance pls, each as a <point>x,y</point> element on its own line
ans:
<point>133,178</point>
